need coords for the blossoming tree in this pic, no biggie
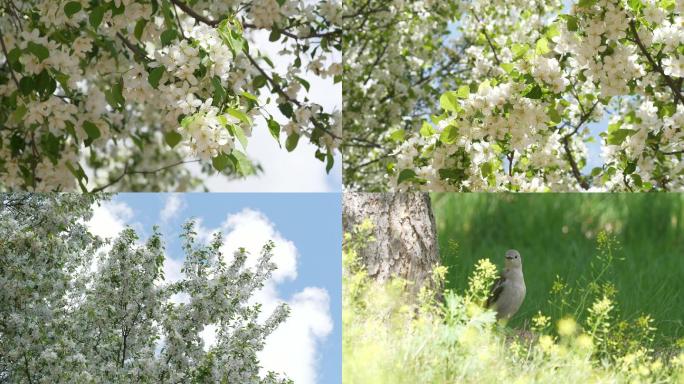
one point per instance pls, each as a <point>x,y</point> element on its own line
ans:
<point>121,94</point>
<point>515,106</point>
<point>69,316</point>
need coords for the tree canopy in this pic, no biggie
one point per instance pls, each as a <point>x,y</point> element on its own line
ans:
<point>498,96</point>
<point>120,94</point>
<point>72,310</point>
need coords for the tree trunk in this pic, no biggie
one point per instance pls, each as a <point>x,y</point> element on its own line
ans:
<point>405,236</point>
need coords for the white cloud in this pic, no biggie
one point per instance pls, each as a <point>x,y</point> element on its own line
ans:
<point>109,218</point>
<point>293,348</point>
<point>251,229</point>
<point>174,204</point>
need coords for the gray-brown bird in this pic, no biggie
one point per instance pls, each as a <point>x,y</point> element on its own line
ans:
<point>509,290</point>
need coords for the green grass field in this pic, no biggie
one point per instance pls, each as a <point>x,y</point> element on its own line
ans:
<point>556,235</point>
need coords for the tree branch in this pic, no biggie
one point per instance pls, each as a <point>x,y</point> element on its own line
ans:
<point>489,41</point>
<point>568,152</point>
<point>214,23</point>
<point>126,172</point>
<point>676,92</point>
<point>4,50</point>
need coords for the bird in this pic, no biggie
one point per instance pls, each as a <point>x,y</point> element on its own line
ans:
<point>508,291</point>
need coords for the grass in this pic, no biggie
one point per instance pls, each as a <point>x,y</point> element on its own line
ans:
<point>556,235</point>
<point>392,335</point>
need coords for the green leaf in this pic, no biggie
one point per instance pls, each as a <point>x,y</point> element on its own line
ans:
<point>534,93</point>
<point>554,116</point>
<point>552,31</point>
<point>519,50</point>
<point>155,76</point>
<point>427,130</point>
<point>406,174</point>
<point>274,128</point>
<point>249,96</point>
<point>168,36</point>
<point>398,135</point>
<point>304,83</point>
<point>630,168</point>
<point>242,163</point>
<point>172,138</point>
<point>586,3</point>
<point>291,142</point>
<point>221,162</point>
<point>240,115</point>
<point>91,130</point>
<point>572,23</point>
<point>449,134</point>
<point>187,120</point>
<point>39,50</point>
<point>508,67</point>
<point>330,161</point>
<point>275,35</point>
<point>486,169</point>
<point>26,85</point>
<point>259,81</point>
<point>286,109</point>
<point>635,5</point>
<point>13,56</point>
<point>542,46</point>
<point>19,113</point>
<point>463,92</point>
<point>139,28</point>
<point>619,135</point>
<point>72,8</point>
<point>44,83</point>
<point>239,133</point>
<point>114,95</point>
<point>449,101</point>
<point>219,92</point>
<point>96,15</point>
<point>231,37</point>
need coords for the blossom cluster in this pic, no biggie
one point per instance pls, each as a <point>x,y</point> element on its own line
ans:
<point>518,119</point>
<point>89,313</point>
<point>83,82</point>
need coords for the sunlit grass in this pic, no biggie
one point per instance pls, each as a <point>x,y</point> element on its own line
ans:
<point>556,235</point>
<point>393,336</point>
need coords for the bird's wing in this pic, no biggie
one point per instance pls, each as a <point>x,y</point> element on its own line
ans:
<point>496,290</point>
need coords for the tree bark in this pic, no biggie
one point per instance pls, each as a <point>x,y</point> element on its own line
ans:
<point>405,243</point>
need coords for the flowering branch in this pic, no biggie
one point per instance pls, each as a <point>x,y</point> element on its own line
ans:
<point>676,92</point>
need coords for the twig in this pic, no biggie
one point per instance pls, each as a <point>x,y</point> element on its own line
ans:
<point>143,172</point>
<point>566,145</point>
<point>134,48</point>
<point>4,50</point>
<point>214,23</point>
<point>489,41</point>
<point>175,11</point>
<point>655,65</point>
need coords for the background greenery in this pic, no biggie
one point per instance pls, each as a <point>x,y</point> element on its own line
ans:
<point>556,236</point>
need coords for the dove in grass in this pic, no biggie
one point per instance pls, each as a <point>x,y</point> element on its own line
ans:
<point>508,292</point>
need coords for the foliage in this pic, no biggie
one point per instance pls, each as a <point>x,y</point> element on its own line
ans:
<point>390,336</point>
<point>121,94</point>
<point>513,110</point>
<point>575,249</point>
<point>68,315</point>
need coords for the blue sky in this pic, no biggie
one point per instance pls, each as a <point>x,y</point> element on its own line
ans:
<point>311,221</point>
